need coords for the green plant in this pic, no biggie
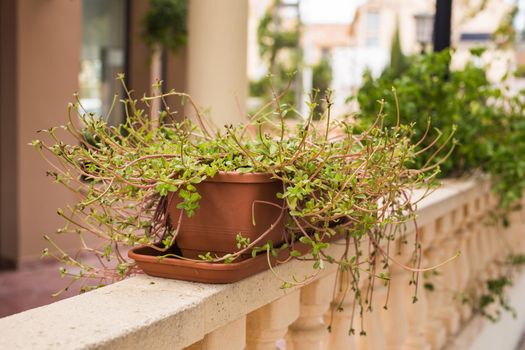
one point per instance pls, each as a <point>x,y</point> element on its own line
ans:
<point>336,182</point>
<point>492,299</point>
<point>520,71</point>
<point>280,51</point>
<point>398,61</point>
<point>505,34</point>
<point>321,80</point>
<point>495,294</point>
<point>165,24</point>
<point>490,123</point>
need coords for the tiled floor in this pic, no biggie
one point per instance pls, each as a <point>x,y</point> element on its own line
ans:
<point>30,287</point>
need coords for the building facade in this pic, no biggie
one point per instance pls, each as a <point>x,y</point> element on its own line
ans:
<point>49,50</point>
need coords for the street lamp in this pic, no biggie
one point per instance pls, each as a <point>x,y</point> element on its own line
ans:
<point>424,29</point>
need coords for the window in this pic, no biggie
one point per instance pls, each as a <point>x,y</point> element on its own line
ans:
<point>103,55</point>
<point>372,28</point>
<point>475,37</point>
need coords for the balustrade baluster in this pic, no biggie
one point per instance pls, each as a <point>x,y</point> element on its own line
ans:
<point>448,313</point>
<point>491,269</point>
<point>463,269</point>
<point>474,252</point>
<point>416,313</point>
<point>394,318</point>
<point>267,325</point>
<point>435,330</point>
<point>372,325</point>
<point>417,316</point>
<point>231,336</point>
<point>340,316</point>
<point>518,238</point>
<point>309,331</point>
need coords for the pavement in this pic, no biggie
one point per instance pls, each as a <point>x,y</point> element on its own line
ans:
<point>31,287</point>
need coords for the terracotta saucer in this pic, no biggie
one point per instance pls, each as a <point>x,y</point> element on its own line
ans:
<point>148,260</point>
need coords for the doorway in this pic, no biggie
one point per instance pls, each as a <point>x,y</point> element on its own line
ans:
<point>8,141</point>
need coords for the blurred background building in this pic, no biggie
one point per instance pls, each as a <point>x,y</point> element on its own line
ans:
<point>49,50</point>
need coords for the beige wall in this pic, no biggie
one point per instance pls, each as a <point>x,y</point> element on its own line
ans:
<point>40,57</point>
<point>49,37</point>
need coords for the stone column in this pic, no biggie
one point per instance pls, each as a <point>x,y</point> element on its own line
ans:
<point>340,316</point>
<point>309,331</point>
<point>267,325</point>
<point>217,54</point>
<point>231,336</point>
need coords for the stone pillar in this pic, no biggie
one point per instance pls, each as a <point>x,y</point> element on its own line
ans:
<point>217,54</point>
<point>375,336</point>
<point>309,331</point>
<point>340,316</point>
<point>39,70</point>
<point>395,322</point>
<point>267,325</point>
<point>231,336</point>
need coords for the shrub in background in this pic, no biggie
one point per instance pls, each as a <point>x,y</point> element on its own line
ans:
<point>321,80</point>
<point>490,127</point>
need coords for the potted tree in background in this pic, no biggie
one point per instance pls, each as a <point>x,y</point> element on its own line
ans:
<point>164,29</point>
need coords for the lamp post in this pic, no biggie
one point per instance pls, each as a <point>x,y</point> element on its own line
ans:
<point>424,29</point>
<point>442,25</point>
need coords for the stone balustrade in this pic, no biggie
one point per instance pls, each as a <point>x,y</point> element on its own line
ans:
<point>255,314</point>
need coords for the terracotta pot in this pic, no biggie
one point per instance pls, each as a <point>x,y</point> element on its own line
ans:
<point>225,210</point>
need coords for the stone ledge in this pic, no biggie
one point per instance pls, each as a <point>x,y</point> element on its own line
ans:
<point>144,312</point>
<point>147,312</point>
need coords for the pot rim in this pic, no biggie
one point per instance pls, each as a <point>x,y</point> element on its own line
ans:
<point>238,177</point>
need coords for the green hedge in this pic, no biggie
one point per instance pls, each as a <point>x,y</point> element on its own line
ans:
<point>490,124</point>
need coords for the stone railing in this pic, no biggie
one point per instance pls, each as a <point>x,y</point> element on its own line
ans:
<point>152,313</point>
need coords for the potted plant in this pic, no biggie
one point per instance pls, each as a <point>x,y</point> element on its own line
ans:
<point>489,116</point>
<point>274,187</point>
<point>164,30</point>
